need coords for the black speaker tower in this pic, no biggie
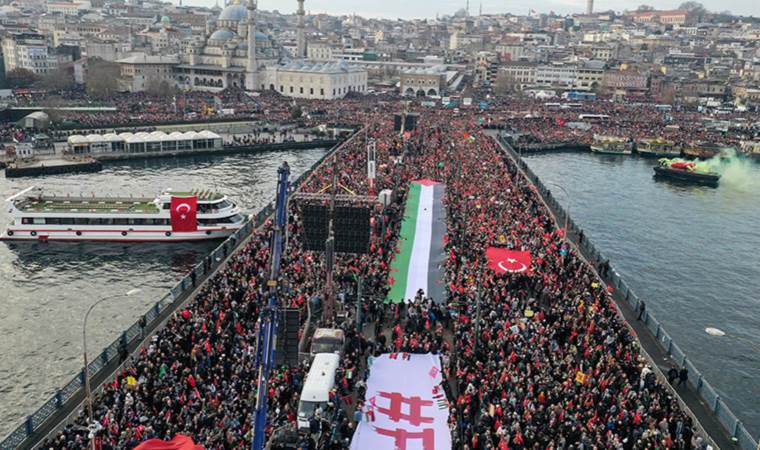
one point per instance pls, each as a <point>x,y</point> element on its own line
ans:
<point>286,349</point>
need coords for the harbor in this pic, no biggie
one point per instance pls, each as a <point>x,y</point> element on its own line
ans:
<point>85,153</point>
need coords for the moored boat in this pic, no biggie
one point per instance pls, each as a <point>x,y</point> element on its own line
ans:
<point>658,147</point>
<point>611,145</point>
<point>169,217</point>
<point>751,149</point>
<point>702,150</point>
<point>685,172</point>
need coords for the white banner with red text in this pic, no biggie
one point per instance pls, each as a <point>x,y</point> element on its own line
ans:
<point>405,406</point>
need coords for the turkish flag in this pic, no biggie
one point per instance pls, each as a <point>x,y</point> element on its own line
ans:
<point>560,121</point>
<point>183,212</point>
<point>504,260</point>
<point>180,442</point>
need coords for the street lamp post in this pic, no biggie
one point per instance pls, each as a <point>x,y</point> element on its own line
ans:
<point>567,213</point>
<point>86,373</point>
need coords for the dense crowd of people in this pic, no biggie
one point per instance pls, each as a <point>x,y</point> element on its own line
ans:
<point>543,122</point>
<point>545,362</point>
<point>263,137</point>
<point>518,382</point>
<point>141,109</point>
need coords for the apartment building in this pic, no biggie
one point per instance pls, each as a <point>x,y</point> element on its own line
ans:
<point>28,51</point>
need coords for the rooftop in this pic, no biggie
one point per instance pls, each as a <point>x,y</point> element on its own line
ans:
<point>328,67</point>
<point>142,58</point>
<point>84,205</point>
<point>203,195</point>
<point>434,70</point>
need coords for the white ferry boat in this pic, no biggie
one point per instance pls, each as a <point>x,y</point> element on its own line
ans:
<point>658,147</point>
<point>170,217</point>
<point>611,145</point>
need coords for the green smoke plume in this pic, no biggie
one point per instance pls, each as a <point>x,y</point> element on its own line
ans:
<point>736,172</point>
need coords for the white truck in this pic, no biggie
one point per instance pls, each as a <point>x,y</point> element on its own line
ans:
<point>328,340</point>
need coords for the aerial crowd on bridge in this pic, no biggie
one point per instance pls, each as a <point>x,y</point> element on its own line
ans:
<point>512,378</point>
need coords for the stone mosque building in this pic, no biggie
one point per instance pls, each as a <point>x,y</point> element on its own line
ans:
<point>234,54</point>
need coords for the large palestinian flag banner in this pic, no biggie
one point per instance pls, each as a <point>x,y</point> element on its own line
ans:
<point>418,263</point>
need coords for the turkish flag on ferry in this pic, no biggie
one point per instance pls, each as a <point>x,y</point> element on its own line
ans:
<point>504,260</point>
<point>183,213</point>
<point>180,442</point>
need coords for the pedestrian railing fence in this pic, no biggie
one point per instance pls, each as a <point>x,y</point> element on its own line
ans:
<point>709,395</point>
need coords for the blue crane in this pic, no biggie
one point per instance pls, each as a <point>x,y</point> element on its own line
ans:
<point>268,317</point>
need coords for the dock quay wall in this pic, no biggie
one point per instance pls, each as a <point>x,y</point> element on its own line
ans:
<point>65,406</point>
<point>719,424</point>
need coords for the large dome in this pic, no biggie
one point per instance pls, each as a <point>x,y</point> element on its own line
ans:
<point>234,12</point>
<point>221,35</point>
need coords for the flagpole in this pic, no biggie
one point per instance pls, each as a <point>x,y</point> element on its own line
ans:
<point>328,311</point>
<point>359,281</point>
<point>477,318</point>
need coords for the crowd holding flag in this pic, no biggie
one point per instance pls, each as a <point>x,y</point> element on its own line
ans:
<point>180,442</point>
<point>405,405</point>
<point>418,263</point>
<point>504,260</point>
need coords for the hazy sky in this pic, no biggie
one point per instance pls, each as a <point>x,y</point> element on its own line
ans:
<point>429,8</point>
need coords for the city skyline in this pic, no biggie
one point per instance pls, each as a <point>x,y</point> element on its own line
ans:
<point>391,9</point>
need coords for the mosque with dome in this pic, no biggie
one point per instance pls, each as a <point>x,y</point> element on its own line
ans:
<point>234,54</point>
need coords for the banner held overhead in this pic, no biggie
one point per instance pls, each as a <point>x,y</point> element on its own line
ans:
<point>405,405</point>
<point>418,263</point>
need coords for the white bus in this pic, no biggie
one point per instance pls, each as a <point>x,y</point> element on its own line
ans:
<point>594,117</point>
<point>316,390</point>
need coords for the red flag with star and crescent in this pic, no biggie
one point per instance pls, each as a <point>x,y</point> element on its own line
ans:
<point>183,214</point>
<point>504,260</point>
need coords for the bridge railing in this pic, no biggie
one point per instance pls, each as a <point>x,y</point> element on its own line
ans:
<point>32,425</point>
<point>706,391</point>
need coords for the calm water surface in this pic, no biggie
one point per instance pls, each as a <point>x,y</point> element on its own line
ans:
<point>692,253</point>
<point>45,289</point>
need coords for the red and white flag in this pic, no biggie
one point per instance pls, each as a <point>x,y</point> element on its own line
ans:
<point>504,260</point>
<point>180,442</point>
<point>183,214</point>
